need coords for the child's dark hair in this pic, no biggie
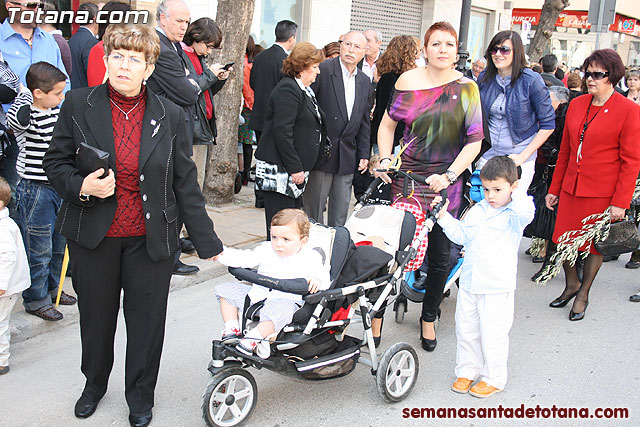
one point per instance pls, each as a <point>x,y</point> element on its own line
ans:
<point>5,191</point>
<point>44,76</point>
<point>500,167</point>
<point>296,216</point>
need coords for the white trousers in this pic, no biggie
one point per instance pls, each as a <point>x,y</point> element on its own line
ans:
<point>483,322</point>
<point>6,307</point>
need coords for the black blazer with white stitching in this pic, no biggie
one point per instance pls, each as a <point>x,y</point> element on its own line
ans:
<point>168,184</point>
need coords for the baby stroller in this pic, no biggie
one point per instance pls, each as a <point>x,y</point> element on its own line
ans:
<point>316,346</point>
<point>408,290</point>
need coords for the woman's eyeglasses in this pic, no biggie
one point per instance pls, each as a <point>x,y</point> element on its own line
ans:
<point>504,50</point>
<point>596,75</point>
<point>118,60</point>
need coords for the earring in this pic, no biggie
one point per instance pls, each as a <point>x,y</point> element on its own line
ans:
<point>144,81</point>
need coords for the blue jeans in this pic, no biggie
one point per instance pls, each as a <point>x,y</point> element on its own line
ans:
<point>8,172</point>
<point>38,205</point>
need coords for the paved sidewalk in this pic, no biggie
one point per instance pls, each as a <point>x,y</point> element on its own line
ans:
<point>238,224</point>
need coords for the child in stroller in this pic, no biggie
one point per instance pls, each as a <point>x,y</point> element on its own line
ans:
<point>316,344</point>
<point>285,256</point>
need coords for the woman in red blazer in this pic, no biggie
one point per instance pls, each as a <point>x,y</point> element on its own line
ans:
<point>597,165</point>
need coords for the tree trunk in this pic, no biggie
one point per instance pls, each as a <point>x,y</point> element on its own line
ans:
<point>550,11</point>
<point>234,19</point>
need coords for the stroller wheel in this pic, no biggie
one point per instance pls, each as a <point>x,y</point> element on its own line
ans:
<point>229,398</point>
<point>401,309</point>
<point>397,372</point>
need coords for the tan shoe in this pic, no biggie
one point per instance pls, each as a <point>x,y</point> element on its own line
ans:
<point>461,385</point>
<point>482,389</point>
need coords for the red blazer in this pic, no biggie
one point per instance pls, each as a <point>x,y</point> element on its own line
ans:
<point>610,151</point>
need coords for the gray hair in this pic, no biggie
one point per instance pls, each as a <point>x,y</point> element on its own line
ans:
<point>163,8</point>
<point>559,93</point>
<point>482,60</point>
<point>378,35</point>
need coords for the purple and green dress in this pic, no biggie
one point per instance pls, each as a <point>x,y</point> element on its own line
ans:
<point>442,120</point>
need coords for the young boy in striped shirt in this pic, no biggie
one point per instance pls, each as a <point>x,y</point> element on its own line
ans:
<point>32,117</point>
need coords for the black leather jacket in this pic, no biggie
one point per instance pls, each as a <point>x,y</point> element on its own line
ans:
<point>204,131</point>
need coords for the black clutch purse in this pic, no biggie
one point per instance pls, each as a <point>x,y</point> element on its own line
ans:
<point>623,237</point>
<point>89,159</point>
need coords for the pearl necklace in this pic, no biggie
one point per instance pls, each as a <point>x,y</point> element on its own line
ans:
<point>126,113</point>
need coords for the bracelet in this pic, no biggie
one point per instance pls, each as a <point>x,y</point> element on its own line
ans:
<point>84,197</point>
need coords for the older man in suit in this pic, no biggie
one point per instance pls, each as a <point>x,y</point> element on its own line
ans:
<point>80,45</point>
<point>343,93</point>
<point>170,80</point>
<point>266,72</point>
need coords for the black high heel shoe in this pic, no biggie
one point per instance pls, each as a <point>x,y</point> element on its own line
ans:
<point>559,302</point>
<point>573,316</point>
<point>376,340</point>
<point>427,344</point>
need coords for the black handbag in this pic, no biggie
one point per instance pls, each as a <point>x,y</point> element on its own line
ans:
<point>623,237</point>
<point>544,220</point>
<point>89,159</point>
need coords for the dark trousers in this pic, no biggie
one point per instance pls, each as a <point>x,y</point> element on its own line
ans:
<point>98,277</point>
<point>275,202</point>
<point>437,272</point>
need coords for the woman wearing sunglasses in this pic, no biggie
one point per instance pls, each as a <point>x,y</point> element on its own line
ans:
<point>597,166</point>
<point>517,104</point>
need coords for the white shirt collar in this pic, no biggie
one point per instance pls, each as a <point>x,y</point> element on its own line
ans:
<point>345,72</point>
<point>285,50</point>
<point>297,79</point>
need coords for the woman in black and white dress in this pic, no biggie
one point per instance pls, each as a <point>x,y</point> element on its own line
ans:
<point>292,135</point>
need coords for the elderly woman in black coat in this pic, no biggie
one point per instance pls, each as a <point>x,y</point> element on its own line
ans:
<point>121,224</point>
<point>292,134</point>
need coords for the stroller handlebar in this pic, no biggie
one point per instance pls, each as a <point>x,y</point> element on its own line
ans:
<point>293,286</point>
<point>413,176</point>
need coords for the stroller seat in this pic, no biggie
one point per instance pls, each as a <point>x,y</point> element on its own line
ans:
<point>333,246</point>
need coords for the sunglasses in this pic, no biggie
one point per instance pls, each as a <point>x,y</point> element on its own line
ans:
<point>596,75</point>
<point>29,5</point>
<point>504,50</point>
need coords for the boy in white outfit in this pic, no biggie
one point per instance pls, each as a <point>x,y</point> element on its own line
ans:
<point>491,233</point>
<point>14,272</point>
<point>286,256</point>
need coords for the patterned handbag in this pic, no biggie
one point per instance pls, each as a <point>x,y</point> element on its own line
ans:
<point>420,216</point>
<point>623,237</point>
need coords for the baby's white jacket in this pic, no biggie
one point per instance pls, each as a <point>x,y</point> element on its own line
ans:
<point>307,264</point>
<point>491,238</point>
<point>14,266</point>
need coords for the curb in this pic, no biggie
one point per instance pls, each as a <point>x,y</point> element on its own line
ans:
<point>230,223</point>
<point>25,326</point>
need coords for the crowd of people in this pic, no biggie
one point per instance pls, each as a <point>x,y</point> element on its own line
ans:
<point>116,171</point>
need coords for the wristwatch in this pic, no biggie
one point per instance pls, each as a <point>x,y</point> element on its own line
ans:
<point>83,197</point>
<point>451,176</point>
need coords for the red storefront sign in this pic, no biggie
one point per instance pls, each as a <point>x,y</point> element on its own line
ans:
<point>575,19</point>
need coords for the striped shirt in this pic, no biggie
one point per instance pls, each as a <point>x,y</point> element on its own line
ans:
<point>33,128</point>
<point>9,79</point>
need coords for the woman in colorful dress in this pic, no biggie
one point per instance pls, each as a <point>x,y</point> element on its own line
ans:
<point>443,127</point>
